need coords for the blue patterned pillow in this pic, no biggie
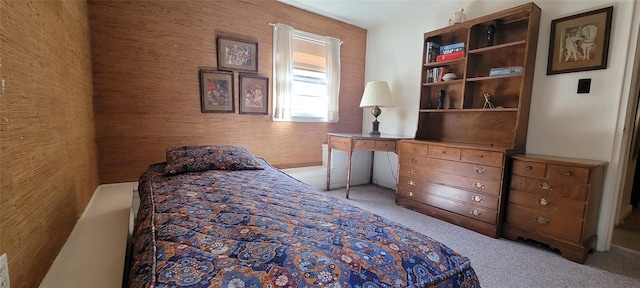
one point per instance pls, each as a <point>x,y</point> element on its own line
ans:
<point>209,157</point>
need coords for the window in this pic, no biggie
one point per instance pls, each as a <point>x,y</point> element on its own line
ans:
<point>306,76</point>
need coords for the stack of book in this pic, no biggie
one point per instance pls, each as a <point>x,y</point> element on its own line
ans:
<point>434,75</point>
<point>499,71</point>
<point>431,51</point>
<point>450,52</point>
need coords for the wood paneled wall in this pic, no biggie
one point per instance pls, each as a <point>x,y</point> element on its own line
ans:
<point>48,153</point>
<point>146,57</point>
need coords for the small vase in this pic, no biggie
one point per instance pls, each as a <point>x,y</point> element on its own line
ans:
<point>491,30</point>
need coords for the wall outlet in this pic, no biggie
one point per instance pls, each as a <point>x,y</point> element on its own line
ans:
<point>4,272</point>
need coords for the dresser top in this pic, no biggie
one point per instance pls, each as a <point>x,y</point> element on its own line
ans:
<point>367,136</point>
<point>559,160</point>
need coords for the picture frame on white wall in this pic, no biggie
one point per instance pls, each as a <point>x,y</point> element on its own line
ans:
<point>580,42</point>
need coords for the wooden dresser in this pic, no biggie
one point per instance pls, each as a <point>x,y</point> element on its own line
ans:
<point>455,167</point>
<point>555,201</point>
<point>461,184</point>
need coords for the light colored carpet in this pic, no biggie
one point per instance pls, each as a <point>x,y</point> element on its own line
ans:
<point>502,262</point>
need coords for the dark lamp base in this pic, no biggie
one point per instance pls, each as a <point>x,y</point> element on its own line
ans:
<point>375,131</point>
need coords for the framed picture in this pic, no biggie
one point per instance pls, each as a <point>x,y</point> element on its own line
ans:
<point>580,42</point>
<point>253,94</point>
<point>216,91</point>
<point>236,54</point>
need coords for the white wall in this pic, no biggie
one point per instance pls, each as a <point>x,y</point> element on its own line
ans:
<point>562,122</point>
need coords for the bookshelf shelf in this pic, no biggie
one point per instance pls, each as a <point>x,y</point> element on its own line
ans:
<point>487,78</point>
<point>444,83</point>
<point>498,47</point>
<point>444,63</point>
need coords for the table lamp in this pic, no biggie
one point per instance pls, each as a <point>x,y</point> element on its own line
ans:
<point>376,94</point>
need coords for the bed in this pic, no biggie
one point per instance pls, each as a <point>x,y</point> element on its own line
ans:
<point>216,216</point>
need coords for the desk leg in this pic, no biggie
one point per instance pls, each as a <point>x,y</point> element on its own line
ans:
<point>349,153</point>
<point>329,168</point>
<point>373,153</point>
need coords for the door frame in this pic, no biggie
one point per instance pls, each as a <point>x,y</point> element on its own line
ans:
<point>611,202</point>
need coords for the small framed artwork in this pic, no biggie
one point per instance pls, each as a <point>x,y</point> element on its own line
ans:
<point>580,42</point>
<point>254,94</point>
<point>216,91</point>
<point>237,54</point>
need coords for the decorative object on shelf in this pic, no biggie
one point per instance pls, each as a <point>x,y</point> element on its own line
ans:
<point>441,96</point>
<point>216,91</point>
<point>253,94</point>
<point>237,54</point>
<point>457,16</point>
<point>491,30</point>
<point>376,94</point>
<point>487,102</point>
<point>580,42</point>
<point>449,76</point>
<point>498,71</point>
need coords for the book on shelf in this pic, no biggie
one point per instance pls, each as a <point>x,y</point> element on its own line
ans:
<point>450,56</point>
<point>434,75</point>
<point>431,51</point>
<point>451,48</point>
<point>498,71</point>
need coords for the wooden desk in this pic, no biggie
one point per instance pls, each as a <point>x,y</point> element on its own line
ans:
<point>350,142</point>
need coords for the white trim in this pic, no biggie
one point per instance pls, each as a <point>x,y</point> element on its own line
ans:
<point>611,202</point>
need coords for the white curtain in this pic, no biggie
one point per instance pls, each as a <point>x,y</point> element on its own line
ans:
<point>282,71</point>
<point>333,77</point>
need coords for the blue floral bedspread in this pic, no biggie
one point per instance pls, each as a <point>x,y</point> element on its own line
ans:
<point>262,228</point>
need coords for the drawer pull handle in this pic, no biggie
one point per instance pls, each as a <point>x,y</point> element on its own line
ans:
<point>480,170</point>
<point>478,185</point>
<point>541,220</point>
<point>475,213</point>
<point>528,168</point>
<point>413,160</point>
<point>410,194</point>
<point>544,202</point>
<point>567,173</point>
<point>411,171</point>
<point>412,183</point>
<point>476,198</point>
<point>544,186</point>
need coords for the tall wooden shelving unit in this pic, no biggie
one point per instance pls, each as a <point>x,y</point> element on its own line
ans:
<point>464,135</point>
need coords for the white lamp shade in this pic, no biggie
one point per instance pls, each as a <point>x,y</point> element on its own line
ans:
<point>376,93</point>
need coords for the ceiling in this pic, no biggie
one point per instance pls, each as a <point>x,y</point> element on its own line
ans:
<point>366,14</point>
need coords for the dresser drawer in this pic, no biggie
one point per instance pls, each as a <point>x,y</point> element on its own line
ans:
<point>443,152</point>
<point>482,157</point>
<point>463,182</point>
<point>549,187</point>
<point>463,169</point>
<point>383,145</point>
<point>474,212</point>
<point>364,144</point>
<point>547,203</point>
<point>526,168</point>
<point>340,143</point>
<point>569,174</point>
<point>411,170</point>
<point>545,222</point>
<point>476,199</point>
<point>414,160</point>
<point>410,148</point>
